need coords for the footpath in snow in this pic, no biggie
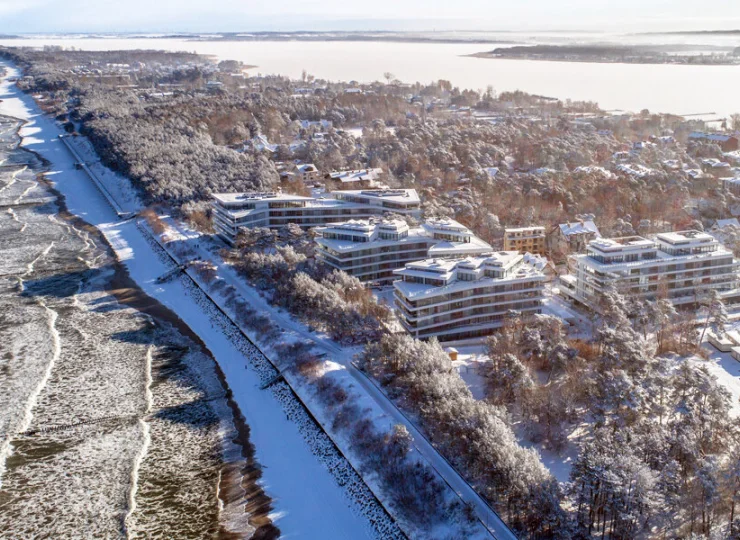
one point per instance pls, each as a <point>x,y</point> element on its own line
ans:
<point>308,502</point>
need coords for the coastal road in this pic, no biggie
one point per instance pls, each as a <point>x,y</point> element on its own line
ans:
<point>487,515</point>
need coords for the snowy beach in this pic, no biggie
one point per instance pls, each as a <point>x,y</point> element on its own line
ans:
<point>112,420</point>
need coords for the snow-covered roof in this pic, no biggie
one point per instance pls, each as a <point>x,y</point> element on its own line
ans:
<point>716,137</point>
<point>621,244</point>
<point>536,229</point>
<point>306,167</point>
<point>695,173</point>
<point>722,223</point>
<point>635,169</point>
<point>715,163</point>
<point>439,234</point>
<point>231,198</point>
<point>356,175</point>
<point>579,227</point>
<point>685,237</point>
<point>512,264</point>
<point>672,163</point>
<point>594,169</point>
<point>403,196</point>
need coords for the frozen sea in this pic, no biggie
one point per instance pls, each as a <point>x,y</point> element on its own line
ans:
<point>677,89</point>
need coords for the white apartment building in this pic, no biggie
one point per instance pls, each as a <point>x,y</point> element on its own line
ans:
<point>372,249</point>
<point>231,211</point>
<point>457,299</point>
<point>683,266</point>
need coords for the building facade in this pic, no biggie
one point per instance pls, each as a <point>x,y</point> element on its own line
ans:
<point>372,249</point>
<point>459,299</point>
<point>525,240</point>
<point>728,142</point>
<point>232,211</point>
<point>732,185</point>
<point>680,266</point>
<point>572,237</point>
<point>307,173</point>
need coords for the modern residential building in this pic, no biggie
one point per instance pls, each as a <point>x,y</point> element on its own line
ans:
<point>525,240</point>
<point>231,211</point>
<point>372,249</point>
<point>459,299</point>
<point>682,266</point>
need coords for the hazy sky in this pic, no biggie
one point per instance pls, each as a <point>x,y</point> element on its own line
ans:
<point>18,16</point>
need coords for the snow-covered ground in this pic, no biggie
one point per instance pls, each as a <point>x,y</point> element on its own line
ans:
<point>308,502</point>
<point>727,370</point>
<point>724,367</point>
<point>470,360</point>
<point>116,185</point>
<point>558,463</point>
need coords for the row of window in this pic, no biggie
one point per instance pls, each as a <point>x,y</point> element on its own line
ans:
<point>486,319</point>
<point>479,291</point>
<point>353,266</point>
<point>482,301</point>
<point>416,246</point>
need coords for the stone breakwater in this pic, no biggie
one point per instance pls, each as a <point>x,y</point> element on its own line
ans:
<point>360,498</point>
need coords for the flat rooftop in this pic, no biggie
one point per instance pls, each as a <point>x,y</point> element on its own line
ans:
<point>444,224</point>
<point>616,244</point>
<point>499,259</point>
<point>685,237</point>
<point>354,225</point>
<point>231,198</point>
<point>524,229</point>
<point>405,196</point>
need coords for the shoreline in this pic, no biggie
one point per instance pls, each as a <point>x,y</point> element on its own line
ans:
<point>258,505</point>
<point>491,56</point>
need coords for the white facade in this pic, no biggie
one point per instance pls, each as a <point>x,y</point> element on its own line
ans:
<point>683,266</point>
<point>372,250</point>
<point>231,211</point>
<point>457,299</point>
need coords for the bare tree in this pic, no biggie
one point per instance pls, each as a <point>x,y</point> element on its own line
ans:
<point>735,119</point>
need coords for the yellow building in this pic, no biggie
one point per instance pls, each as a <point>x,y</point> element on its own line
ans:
<point>525,240</point>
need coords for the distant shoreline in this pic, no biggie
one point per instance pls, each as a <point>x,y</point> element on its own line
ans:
<point>603,55</point>
<point>380,36</point>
